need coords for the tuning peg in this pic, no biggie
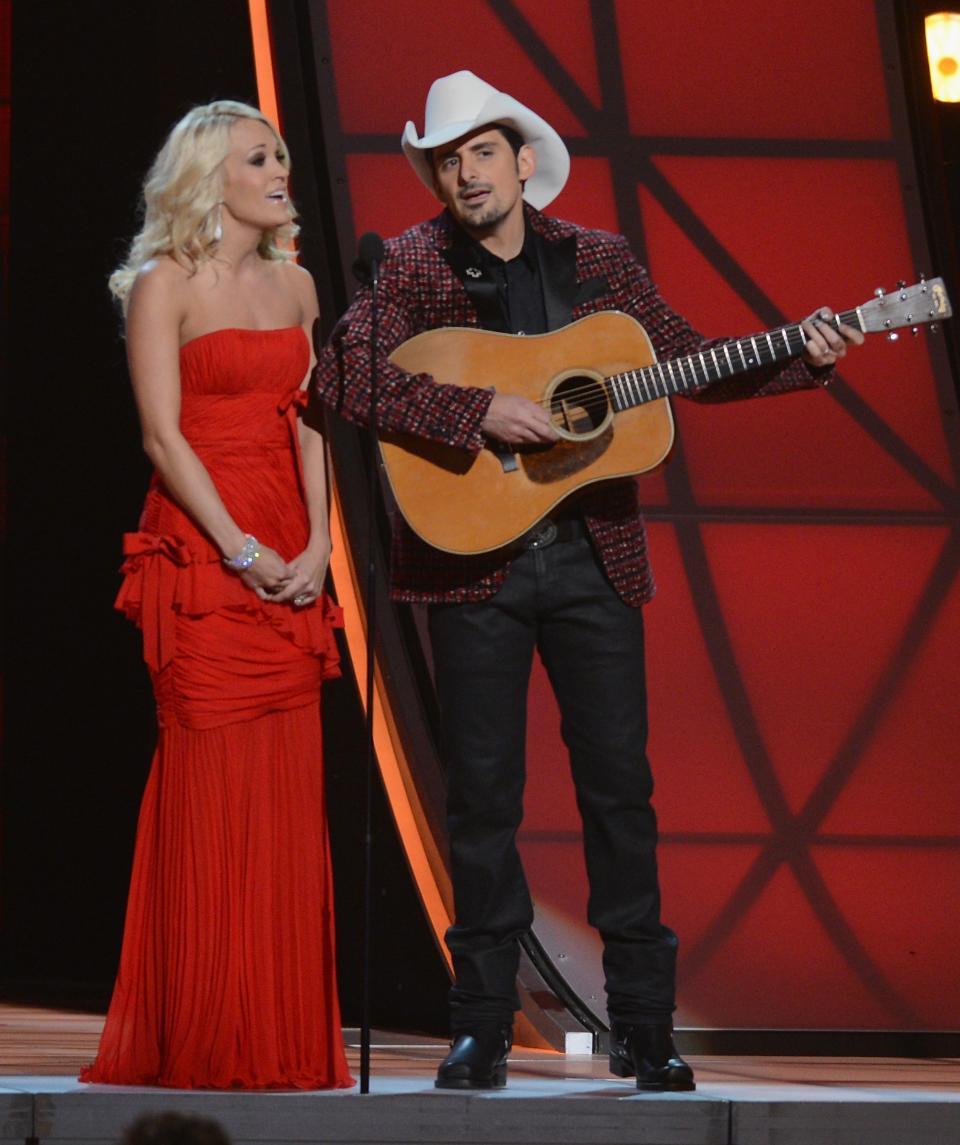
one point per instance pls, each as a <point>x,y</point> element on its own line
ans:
<point>923,281</point>
<point>901,283</point>
<point>914,331</point>
<point>934,328</point>
<point>893,336</point>
<point>879,292</point>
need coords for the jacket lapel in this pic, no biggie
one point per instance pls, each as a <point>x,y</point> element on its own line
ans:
<point>480,287</point>
<point>558,277</point>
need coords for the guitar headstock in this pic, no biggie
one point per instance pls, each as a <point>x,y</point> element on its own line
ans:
<point>925,301</point>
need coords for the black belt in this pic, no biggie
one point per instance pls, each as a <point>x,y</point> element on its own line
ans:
<point>551,531</point>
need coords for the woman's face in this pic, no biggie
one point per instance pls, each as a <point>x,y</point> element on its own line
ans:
<point>254,178</point>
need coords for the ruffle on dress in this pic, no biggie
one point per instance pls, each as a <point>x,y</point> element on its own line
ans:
<point>163,578</point>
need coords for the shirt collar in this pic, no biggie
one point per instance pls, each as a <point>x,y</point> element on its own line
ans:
<point>486,259</point>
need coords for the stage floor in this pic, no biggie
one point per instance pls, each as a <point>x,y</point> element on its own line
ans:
<point>550,1098</point>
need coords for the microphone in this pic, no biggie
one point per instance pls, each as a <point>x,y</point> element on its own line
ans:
<point>370,252</point>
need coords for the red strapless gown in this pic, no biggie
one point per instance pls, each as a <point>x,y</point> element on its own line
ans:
<point>227,975</point>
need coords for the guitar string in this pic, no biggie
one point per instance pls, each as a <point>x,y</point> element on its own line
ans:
<point>587,395</point>
<point>597,395</point>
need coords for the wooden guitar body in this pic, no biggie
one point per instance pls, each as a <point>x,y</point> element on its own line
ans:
<point>471,504</point>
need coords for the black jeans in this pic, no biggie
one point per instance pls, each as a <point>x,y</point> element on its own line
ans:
<point>558,600</point>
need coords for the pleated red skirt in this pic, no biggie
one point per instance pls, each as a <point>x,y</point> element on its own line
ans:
<point>228,972</point>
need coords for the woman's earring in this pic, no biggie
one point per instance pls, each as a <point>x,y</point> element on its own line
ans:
<point>217,227</point>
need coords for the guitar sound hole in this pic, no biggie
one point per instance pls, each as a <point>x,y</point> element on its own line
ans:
<point>579,406</point>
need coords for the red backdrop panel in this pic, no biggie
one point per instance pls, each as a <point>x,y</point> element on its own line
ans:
<point>802,649</point>
<point>798,450</point>
<point>737,68</point>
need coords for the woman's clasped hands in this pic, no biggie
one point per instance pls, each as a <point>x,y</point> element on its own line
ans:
<point>299,582</point>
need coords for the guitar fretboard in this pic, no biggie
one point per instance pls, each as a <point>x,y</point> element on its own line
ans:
<point>681,375</point>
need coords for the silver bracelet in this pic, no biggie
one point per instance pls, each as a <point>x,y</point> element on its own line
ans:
<point>247,555</point>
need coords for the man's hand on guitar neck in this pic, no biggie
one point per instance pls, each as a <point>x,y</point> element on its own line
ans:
<point>518,421</point>
<point>825,344</point>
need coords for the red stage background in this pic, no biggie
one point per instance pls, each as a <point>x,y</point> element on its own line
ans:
<point>803,651</point>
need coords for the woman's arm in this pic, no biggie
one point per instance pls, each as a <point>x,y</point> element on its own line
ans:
<point>157,308</point>
<point>310,566</point>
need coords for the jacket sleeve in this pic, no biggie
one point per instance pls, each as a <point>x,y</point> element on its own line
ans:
<point>408,403</point>
<point>673,337</point>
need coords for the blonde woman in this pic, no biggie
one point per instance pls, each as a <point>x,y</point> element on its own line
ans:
<point>227,973</point>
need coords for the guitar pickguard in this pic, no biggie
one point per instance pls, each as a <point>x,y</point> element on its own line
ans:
<point>565,458</point>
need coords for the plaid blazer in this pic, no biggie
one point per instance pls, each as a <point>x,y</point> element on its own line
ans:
<point>423,285</point>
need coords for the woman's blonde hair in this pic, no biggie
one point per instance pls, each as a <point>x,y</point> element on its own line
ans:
<point>182,193</point>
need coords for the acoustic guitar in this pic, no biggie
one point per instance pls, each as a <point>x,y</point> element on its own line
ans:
<point>608,399</point>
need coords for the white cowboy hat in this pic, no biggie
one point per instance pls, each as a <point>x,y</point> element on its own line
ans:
<point>460,103</point>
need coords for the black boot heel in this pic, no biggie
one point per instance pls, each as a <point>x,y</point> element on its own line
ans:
<point>619,1067</point>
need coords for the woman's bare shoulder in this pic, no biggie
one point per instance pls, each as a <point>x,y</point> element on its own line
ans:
<point>161,277</point>
<point>293,273</point>
<point>299,281</point>
<point>160,297</point>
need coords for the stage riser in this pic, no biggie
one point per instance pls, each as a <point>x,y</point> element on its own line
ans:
<point>16,1117</point>
<point>838,1123</point>
<point>530,1112</point>
<point>510,1118</point>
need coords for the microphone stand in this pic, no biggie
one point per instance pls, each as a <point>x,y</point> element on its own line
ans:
<point>371,253</point>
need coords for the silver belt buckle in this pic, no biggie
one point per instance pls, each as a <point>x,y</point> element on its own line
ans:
<point>541,535</point>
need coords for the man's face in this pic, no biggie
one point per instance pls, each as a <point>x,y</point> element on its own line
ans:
<point>480,180</point>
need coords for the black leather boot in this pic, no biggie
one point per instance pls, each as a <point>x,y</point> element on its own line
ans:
<point>646,1051</point>
<point>477,1060</point>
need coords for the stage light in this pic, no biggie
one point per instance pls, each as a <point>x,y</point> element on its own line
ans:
<point>943,52</point>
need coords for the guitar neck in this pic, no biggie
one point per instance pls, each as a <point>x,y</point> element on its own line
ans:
<point>681,375</point>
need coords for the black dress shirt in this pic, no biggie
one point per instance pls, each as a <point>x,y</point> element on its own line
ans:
<point>519,288</point>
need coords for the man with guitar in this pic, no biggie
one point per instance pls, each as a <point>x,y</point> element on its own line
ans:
<point>571,585</point>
